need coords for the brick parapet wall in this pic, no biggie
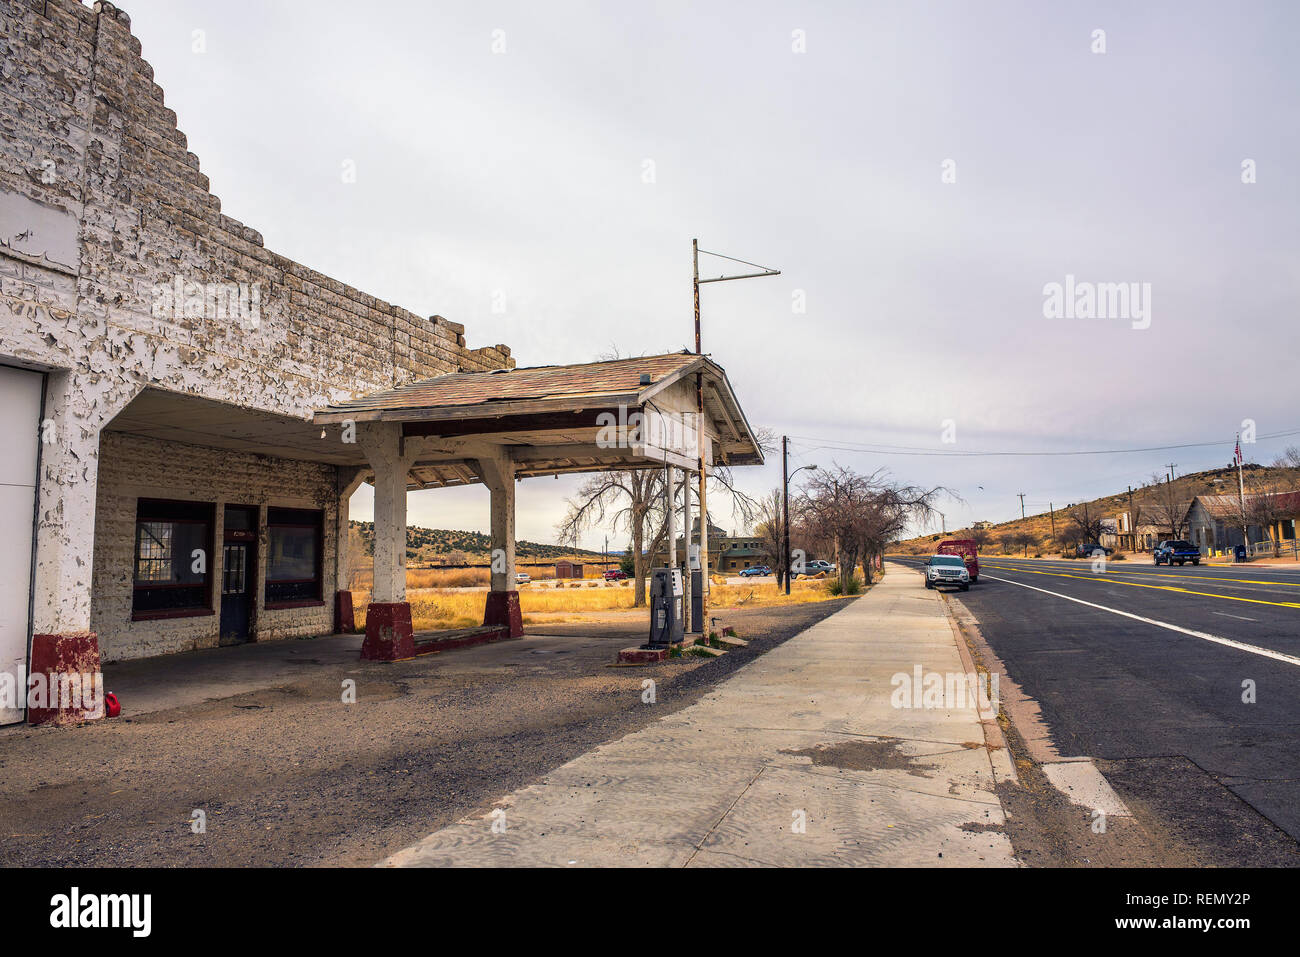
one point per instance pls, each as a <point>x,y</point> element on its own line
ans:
<point>86,132</point>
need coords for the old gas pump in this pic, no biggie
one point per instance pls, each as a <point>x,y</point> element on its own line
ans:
<point>666,611</point>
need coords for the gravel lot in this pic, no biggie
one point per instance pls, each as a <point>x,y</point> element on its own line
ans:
<point>291,776</point>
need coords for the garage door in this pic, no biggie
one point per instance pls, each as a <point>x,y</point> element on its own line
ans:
<point>20,412</point>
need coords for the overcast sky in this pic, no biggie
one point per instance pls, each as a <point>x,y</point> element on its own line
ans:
<point>563,155</point>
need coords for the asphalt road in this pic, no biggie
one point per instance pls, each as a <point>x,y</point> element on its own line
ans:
<point>1144,666</point>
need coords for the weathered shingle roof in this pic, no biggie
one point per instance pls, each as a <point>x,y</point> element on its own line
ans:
<point>615,377</point>
<point>1228,507</point>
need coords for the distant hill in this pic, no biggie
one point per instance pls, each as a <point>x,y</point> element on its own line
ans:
<point>452,546</point>
<point>1212,482</point>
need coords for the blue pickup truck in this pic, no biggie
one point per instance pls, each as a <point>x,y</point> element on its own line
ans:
<point>1176,550</point>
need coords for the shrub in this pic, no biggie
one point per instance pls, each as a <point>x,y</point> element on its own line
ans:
<point>854,587</point>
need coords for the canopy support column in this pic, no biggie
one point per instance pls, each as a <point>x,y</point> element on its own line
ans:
<point>502,608</point>
<point>348,481</point>
<point>389,635</point>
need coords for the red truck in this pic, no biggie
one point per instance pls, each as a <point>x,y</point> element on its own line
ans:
<point>969,552</point>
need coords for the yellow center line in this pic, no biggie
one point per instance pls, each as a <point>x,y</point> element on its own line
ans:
<point>1183,591</point>
<point>1213,578</point>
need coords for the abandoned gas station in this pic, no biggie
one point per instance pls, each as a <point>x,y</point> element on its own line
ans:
<point>498,427</point>
<point>187,413</point>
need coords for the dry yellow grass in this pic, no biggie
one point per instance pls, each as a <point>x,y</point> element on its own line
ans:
<point>434,608</point>
<point>768,593</point>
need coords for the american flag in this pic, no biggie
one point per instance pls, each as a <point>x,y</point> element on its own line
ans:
<point>1236,454</point>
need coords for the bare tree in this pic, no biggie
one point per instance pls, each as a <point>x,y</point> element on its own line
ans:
<point>1166,506</point>
<point>1269,501</point>
<point>769,532</point>
<point>1009,542</point>
<point>628,499</point>
<point>861,514</point>
<point>1289,459</point>
<point>1136,516</point>
<point>1024,540</point>
<point>1086,523</point>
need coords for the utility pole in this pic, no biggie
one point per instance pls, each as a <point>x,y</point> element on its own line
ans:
<point>1241,491</point>
<point>785,504</point>
<point>1051,509</point>
<point>1172,466</point>
<point>1132,524</point>
<point>699,425</point>
<point>783,562</point>
<point>1022,504</point>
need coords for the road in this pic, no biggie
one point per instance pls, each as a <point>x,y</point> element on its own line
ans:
<point>1144,667</point>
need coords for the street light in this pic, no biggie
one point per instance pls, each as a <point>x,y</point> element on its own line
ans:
<point>785,500</point>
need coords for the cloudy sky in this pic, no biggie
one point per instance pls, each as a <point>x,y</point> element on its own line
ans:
<point>920,172</point>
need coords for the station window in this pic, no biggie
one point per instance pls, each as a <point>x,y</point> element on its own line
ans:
<point>173,549</point>
<point>293,561</point>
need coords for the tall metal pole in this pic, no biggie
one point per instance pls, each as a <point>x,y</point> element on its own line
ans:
<point>699,407</point>
<point>695,255</point>
<point>1241,493</point>
<point>699,442</point>
<point>784,562</point>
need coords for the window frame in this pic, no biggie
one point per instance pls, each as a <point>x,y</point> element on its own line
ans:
<point>155,510</point>
<point>281,520</point>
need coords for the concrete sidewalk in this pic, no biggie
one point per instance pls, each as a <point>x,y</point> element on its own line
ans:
<point>799,759</point>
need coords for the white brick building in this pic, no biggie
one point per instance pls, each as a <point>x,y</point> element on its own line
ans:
<point>162,418</point>
<point>187,413</point>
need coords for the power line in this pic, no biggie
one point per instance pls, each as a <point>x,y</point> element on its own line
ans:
<point>882,449</point>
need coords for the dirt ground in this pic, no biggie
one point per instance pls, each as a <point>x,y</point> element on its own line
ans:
<point>293,776</point>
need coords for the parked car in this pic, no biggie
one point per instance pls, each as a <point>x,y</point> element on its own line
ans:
<point>522,578</point>
<point>968,550</point>
<point>615,575</point>
<point>947,570</point>
<point>1176,550</point>
<point>1089,549</point>
<point>817,567</point>
<point>755,571</point>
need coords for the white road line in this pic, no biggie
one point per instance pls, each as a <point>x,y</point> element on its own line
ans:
<point>1224,614</point>
<point>1239,645</point>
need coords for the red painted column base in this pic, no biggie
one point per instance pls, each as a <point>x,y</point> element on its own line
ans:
<point>345,621</point>
<point>389,635</point>
<point>503,609</point>
<point>74,658</point>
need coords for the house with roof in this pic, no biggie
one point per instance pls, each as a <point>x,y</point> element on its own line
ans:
<point>1215,522</point>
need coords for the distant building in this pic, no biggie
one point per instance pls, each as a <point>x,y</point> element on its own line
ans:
<point>1142,539</point>
<point>1214,522</point>
<point>567,569</point>
<point>727,553</point>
